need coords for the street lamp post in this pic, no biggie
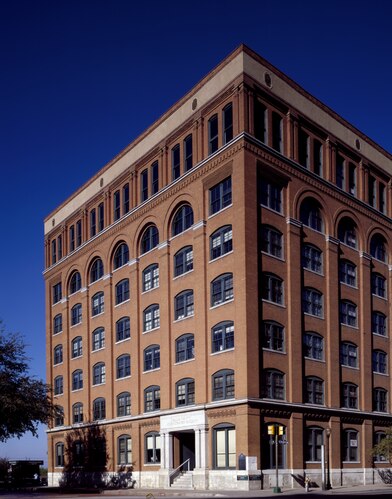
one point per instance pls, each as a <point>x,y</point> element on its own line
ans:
<point>328,481</point>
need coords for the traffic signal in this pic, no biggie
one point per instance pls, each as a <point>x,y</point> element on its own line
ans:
<point>281,430</point>
<point>271,429</point>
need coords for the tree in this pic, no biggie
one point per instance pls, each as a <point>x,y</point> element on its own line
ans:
<point>86,457</point>
<point>384,447</point>
<point>24,399</point>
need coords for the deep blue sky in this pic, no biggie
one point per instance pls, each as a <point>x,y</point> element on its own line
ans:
<point>80,79</point>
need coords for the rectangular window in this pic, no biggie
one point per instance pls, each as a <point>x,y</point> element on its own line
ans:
<point>54,254</point>
<point>175,156</point>
<point>220,196</point>
<point>116,206</point>
<point>125,199</point>
<point>60,247</point>
<point>381,198</point>
<point>213,134</point>
<point>303,149</point>
<point>154,178</point>
<point>271,196</point>
<point>352,179</point>
<point>372,191</point>
<point>340,166</point>
<point>227,123</point>
<point>71,238</point>
<point>260,121</point>
<point>188,153</point>
<point>57,293</point>
<point>78,233</point>
<point>277,132</point>
<point>144,185</point>
<point>318,158</point>
<point>93,223</point>
<point>100,217</point>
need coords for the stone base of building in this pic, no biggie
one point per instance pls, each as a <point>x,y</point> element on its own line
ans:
<point>251,480</point>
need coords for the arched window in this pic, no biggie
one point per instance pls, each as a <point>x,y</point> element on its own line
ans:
<point>314,390</point>
<point>152,398</point>
<point>99,373</point>
<point>347,232</point>
<point>123,329</point>
<point>151,277</point>
<point>57,324</point>
<point>58,354</point>
<point>350,446</point>
<point>152,358</point>
<point>150,239</point>
<point>98,338</point>
<point>310,214</point>
<point>348,313</point>
<point>312,258</point>
<point>183,304</point>
<point>379,285</point>
<point>75,283</point>
<point>312,302</point>
<point>185,348</point>
<point>77,380</point>
<point>59,455</point>
<point>273,384</point>
<point>313,443</point>
<point>76,314</point>
<point>97,303</point>
<point>183,261</point>
<point>348,272</point>
<point>272,288</point>
<point>380,400</point>
<point>58,385</point>
<point>59,416</point>
<point>223,385</point>
<point>273,336</point>
<point>222,336</point>
<point>183,219</point>
<point>379,362</point>
<point>224,447</point>
<point>99,409</point>
<point>123,366</point>
<point>378,436</point>
<point>124,404</point>
<point>151,317</point>
<point>313,346</point>
<point>96,271</point>
<point>122,291</point>
<point>221,242</point>
<point>124,444</point>
<point>348,354</point>
<point>152,448</point>
<point>378,248</point>
<point>350,396</point>
<point>185,392</point>
<point>76,347</point>
<point>121,256</point>
<point>77,413</point>
<point>379,323</point>
<point>222,289</point>
<point>271,241</point>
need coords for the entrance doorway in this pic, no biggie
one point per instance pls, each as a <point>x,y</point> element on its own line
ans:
<point>186,441</point>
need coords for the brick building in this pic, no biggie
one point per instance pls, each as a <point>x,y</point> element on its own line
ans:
<point>227,271</point>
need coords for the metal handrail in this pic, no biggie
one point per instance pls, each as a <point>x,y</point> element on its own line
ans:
<point>174,474</point>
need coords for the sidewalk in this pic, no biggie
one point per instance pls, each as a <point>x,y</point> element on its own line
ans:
<point>156,493</point>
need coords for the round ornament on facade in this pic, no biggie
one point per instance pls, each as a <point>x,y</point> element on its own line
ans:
<point>268,80</point>
<point>101,182</point>
<point>358,144</point>
<point>194,104</point>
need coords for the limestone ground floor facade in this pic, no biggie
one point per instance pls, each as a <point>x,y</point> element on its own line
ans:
<point>227,446</point>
